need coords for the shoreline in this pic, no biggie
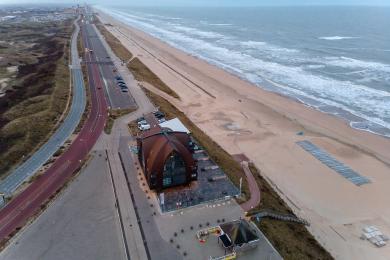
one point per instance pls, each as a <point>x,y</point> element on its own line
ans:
<point>244,118</point>
<point>354,118</point>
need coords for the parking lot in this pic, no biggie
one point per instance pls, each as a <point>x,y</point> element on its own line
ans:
<point>117,96</point>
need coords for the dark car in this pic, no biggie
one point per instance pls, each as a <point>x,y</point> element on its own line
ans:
<point>118,78</point>
<point>159,114</point>
<point>140,119</point>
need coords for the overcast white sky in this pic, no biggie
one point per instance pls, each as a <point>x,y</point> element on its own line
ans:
<point>211,2</point>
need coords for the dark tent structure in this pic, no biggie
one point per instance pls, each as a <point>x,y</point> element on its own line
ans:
<point>238,235</point>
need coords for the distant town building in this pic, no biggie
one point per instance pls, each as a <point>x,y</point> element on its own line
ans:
<point>166,158</point>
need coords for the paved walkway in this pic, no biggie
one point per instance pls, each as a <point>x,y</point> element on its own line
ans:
<point>82,223</point>
<point>253,188</point>
<point>46,151</point>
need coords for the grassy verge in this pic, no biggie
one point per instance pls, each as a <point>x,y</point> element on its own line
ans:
<point>80,49</point>
<point>143,73</point>
<point>293,241</point>
<point>116,46</point>
<point>114,114</point>
<point>139,70</point>
<point>217,153</point>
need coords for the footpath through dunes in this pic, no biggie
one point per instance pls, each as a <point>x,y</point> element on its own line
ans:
<point>66,127</point>
<point>36,95</point>
<point>30,201</point>
<point>243,118</point>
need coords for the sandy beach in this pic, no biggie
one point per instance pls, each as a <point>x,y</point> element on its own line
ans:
<point>243,118</point>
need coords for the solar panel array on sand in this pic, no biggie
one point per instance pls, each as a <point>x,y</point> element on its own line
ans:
<point>332,163</point>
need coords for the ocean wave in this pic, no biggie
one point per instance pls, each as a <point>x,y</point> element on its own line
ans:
<point>336,38</point>
<point>350,63</point>
<point>314,66</point>
<point>221,24</point>
<point>269,49</point>
<point>253,44</point>
<point>196,32</point>
<point>367,103</point>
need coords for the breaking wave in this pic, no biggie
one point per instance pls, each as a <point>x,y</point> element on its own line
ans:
<point>336,38</point>
<point>288,71</point>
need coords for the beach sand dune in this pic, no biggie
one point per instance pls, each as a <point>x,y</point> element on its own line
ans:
<point>243,118</point>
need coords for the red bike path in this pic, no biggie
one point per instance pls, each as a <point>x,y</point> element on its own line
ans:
<point>28,203</point>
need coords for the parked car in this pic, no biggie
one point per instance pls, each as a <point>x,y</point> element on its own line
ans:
<point>118,78</point>
<point>159,114</point>
<point>124,90</point>
<point>139,119</point>
<point>161,120</point>
<point>144,127</point>
<point>142,122</point>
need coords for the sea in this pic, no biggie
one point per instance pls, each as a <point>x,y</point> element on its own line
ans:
<point>333,59</point>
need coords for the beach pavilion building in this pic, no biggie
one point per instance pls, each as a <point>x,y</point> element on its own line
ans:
<point>166,158</point>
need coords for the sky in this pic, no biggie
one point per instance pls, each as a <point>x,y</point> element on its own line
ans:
<point>212,2</point>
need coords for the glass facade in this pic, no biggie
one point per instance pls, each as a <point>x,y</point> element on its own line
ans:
<point>174,171</point>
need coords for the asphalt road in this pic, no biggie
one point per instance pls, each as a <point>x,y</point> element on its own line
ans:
<point>40,157</point>
<point>17,212</point>
<point>81,224</point>
<point>116,98</point>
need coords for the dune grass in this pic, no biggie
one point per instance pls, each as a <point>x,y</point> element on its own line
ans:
<point>38,97</point>
<point>292,240</point>
<point>143,73</point>
<point>114,114</point>
<point>116,46</point>
<point>231,167</point>
<point>139,70</point>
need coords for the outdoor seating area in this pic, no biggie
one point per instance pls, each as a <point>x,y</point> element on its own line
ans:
<point>212,185</point>
<point>177,168</point>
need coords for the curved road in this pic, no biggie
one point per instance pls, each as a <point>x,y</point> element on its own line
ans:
<point>26,204</point>
<point>39,158</point>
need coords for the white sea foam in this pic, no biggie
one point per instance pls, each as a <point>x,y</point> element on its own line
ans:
<point>346,62</point>
<point>196,32</point>
<point>368,103</point>
<point>221,24</point>
<point>337,38</point>
<point>253,44</point>
<point>314,66</point>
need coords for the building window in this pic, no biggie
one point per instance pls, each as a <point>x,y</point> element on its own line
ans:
<point>174,171</point>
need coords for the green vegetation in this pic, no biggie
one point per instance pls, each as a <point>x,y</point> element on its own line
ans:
<point>81,49</point>
<point>293,241</point>
<point>139,70</point>
<point>231,167</point>
<point>143,73</point>
<point>116,46</point>
<point>38,91</point>
<point>114,114</point>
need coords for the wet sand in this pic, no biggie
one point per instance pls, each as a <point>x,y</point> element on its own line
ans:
<point>243,118</point>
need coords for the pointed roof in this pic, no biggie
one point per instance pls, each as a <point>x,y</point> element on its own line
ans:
<point>239,232</point>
